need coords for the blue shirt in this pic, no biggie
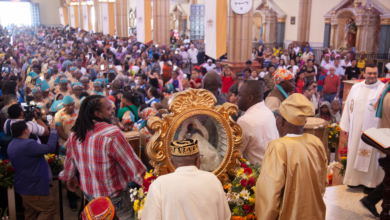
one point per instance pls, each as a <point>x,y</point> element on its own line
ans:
<point>31,169</point>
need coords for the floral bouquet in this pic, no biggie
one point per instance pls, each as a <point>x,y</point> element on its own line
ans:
<point>7,173</point>
<point>343,154</point>
<point>138,196</point>
<point>55,162</point>
<point>334,134</point>
<point>240,192</point>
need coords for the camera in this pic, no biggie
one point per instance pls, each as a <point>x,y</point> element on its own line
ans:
<point>137,98</point>
<point>30,109</point>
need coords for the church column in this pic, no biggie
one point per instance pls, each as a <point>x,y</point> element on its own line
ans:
<point>161,22</point>
<point>333,35</point>
<point>98,16</point>
<point>281,28</point>
<point>384,40</point>
<point>121,18</point>
<point>357,45</point>
<point>304,18</point>
<point>327,32</point>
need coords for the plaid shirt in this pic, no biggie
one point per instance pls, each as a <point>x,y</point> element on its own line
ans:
<point>105,160</point>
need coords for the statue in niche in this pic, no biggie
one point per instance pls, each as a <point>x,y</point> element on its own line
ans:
<point>350,33</point>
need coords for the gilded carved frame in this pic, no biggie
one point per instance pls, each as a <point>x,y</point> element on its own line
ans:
<point>184,105</point>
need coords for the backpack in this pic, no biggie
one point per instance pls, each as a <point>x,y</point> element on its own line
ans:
<point>6,139</point>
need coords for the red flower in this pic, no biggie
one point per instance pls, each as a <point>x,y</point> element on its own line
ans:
<point>50,161</point>
<point>147,183</point>
<point>5,161</point>
<point>243,165</point>
<point>10,169</point>
<point>248,208</point>
<point>244,182</point>
<point>251,181</point>
<point>248,171</point>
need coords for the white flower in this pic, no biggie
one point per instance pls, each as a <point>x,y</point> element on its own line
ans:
<point>245,194</point>
<point>135,192</point>
<point>132,198</point>
<point>240,202</point>
<point>235,196</point>
<point>334,124</point>
<point>247,163</point>
<point>139,214</point>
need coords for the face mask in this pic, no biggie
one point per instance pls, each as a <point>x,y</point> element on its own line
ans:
<point>136,82</point>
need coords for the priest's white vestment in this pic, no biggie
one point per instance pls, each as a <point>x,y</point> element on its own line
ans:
<point>188,193</point>
<point>359,115</point>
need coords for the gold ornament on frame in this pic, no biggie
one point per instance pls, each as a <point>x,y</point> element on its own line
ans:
<point>194,115</point>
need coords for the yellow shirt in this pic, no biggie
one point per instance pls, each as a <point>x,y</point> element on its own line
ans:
<point>361,63</point>
<point>292,179</point>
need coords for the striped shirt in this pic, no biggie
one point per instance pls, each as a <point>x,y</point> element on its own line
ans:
<point>105,160</point>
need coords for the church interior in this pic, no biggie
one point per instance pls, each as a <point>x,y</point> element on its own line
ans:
<point>232,32</point>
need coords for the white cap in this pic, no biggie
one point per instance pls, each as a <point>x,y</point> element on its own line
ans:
<point>209,60</point>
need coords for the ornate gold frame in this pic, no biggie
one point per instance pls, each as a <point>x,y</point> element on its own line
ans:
<point>182,106</point>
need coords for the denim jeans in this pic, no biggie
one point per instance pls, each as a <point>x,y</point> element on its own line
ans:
<point>123,206</point>
<point>329,97</point>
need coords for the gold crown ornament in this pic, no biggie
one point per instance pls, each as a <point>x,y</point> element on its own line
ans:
<point>186,147</point>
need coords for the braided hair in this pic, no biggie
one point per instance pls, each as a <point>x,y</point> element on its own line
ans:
<point>85,121</point>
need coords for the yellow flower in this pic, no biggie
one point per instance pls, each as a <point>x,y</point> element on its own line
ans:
<point>227,186</point>
<point>252,200</point>
<point>238,185</point>
<point>330,136</point>
<point>136,205</point>
<point>147,175</point>
<point>46,157</point>
<point>51,155</point>
<point>331,133</point>
<point>329,126</point>
<point>343,158</point>
<point>242,160</point>
<point>1,161</point>
<point>240,171</point>
<point>338,129</point>
<point>254,189</point>
<point>250,217</point>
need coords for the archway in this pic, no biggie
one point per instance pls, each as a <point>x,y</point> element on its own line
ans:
<point>257,25</point>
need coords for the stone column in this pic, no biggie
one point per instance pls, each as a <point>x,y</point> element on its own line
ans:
<point>98,28</point>
<point>281,28</point>
<point>304,18</point>
<point>240,40</point>
<point>161,22</point>
<point>357,45</point>
<point>333,36</point>
<point>384,40</point>
<point>121,17</point>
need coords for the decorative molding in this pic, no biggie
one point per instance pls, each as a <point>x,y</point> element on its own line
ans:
<point>271,6</point>
<point>281,20</point>
<point>327,20</point>
<point>177,8</point>
<point>385,21</point>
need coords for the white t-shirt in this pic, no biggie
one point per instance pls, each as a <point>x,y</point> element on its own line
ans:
<point>34,128</point>
<point>345,64</point>
<point>83,70</point>
<point>208,67</point>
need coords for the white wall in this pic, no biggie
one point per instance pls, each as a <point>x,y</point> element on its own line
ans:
<point>291,8</point>
<point>48,10</point>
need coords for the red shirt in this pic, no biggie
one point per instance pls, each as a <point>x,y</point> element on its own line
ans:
<point>227,82</point>
<point>105,160</point>
<point>331,83</point>
<point>300,85</point>
<point>196,81</point>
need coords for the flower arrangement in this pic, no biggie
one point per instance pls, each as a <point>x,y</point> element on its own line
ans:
<point>55,162</point>
<point>138,196</point>
<point>7,173</point>
<point>240,192</point>
<point>334,134</point>
<point>4,215</point>
<point>343,155</point>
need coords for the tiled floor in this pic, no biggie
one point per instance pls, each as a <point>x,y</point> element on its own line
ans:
<point>343,203</point>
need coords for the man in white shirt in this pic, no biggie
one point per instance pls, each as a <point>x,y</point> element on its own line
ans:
<point>296,49</point>
<point>209,66</point>
<point>339,70</point>
<point>187,193</point>
<point>192,55</point>
<point>183,54</point>
<point>258,124</point>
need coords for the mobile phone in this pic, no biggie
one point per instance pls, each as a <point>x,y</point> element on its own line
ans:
<point>156,45</point>
<point>11,58</point>
<point>108,86</point>
<point>59,46</point>
<point>110,66</point>
<point>110,60</point>
<point>176,52</point>
<point>174,68</point>
<point>102,67</point>
<point>185,76</point>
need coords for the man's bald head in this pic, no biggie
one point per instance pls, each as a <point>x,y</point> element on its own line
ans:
<point>254,88</point>
<point>212,81</point>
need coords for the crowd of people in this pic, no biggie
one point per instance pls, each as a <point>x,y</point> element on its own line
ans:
<point>74,93</point>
